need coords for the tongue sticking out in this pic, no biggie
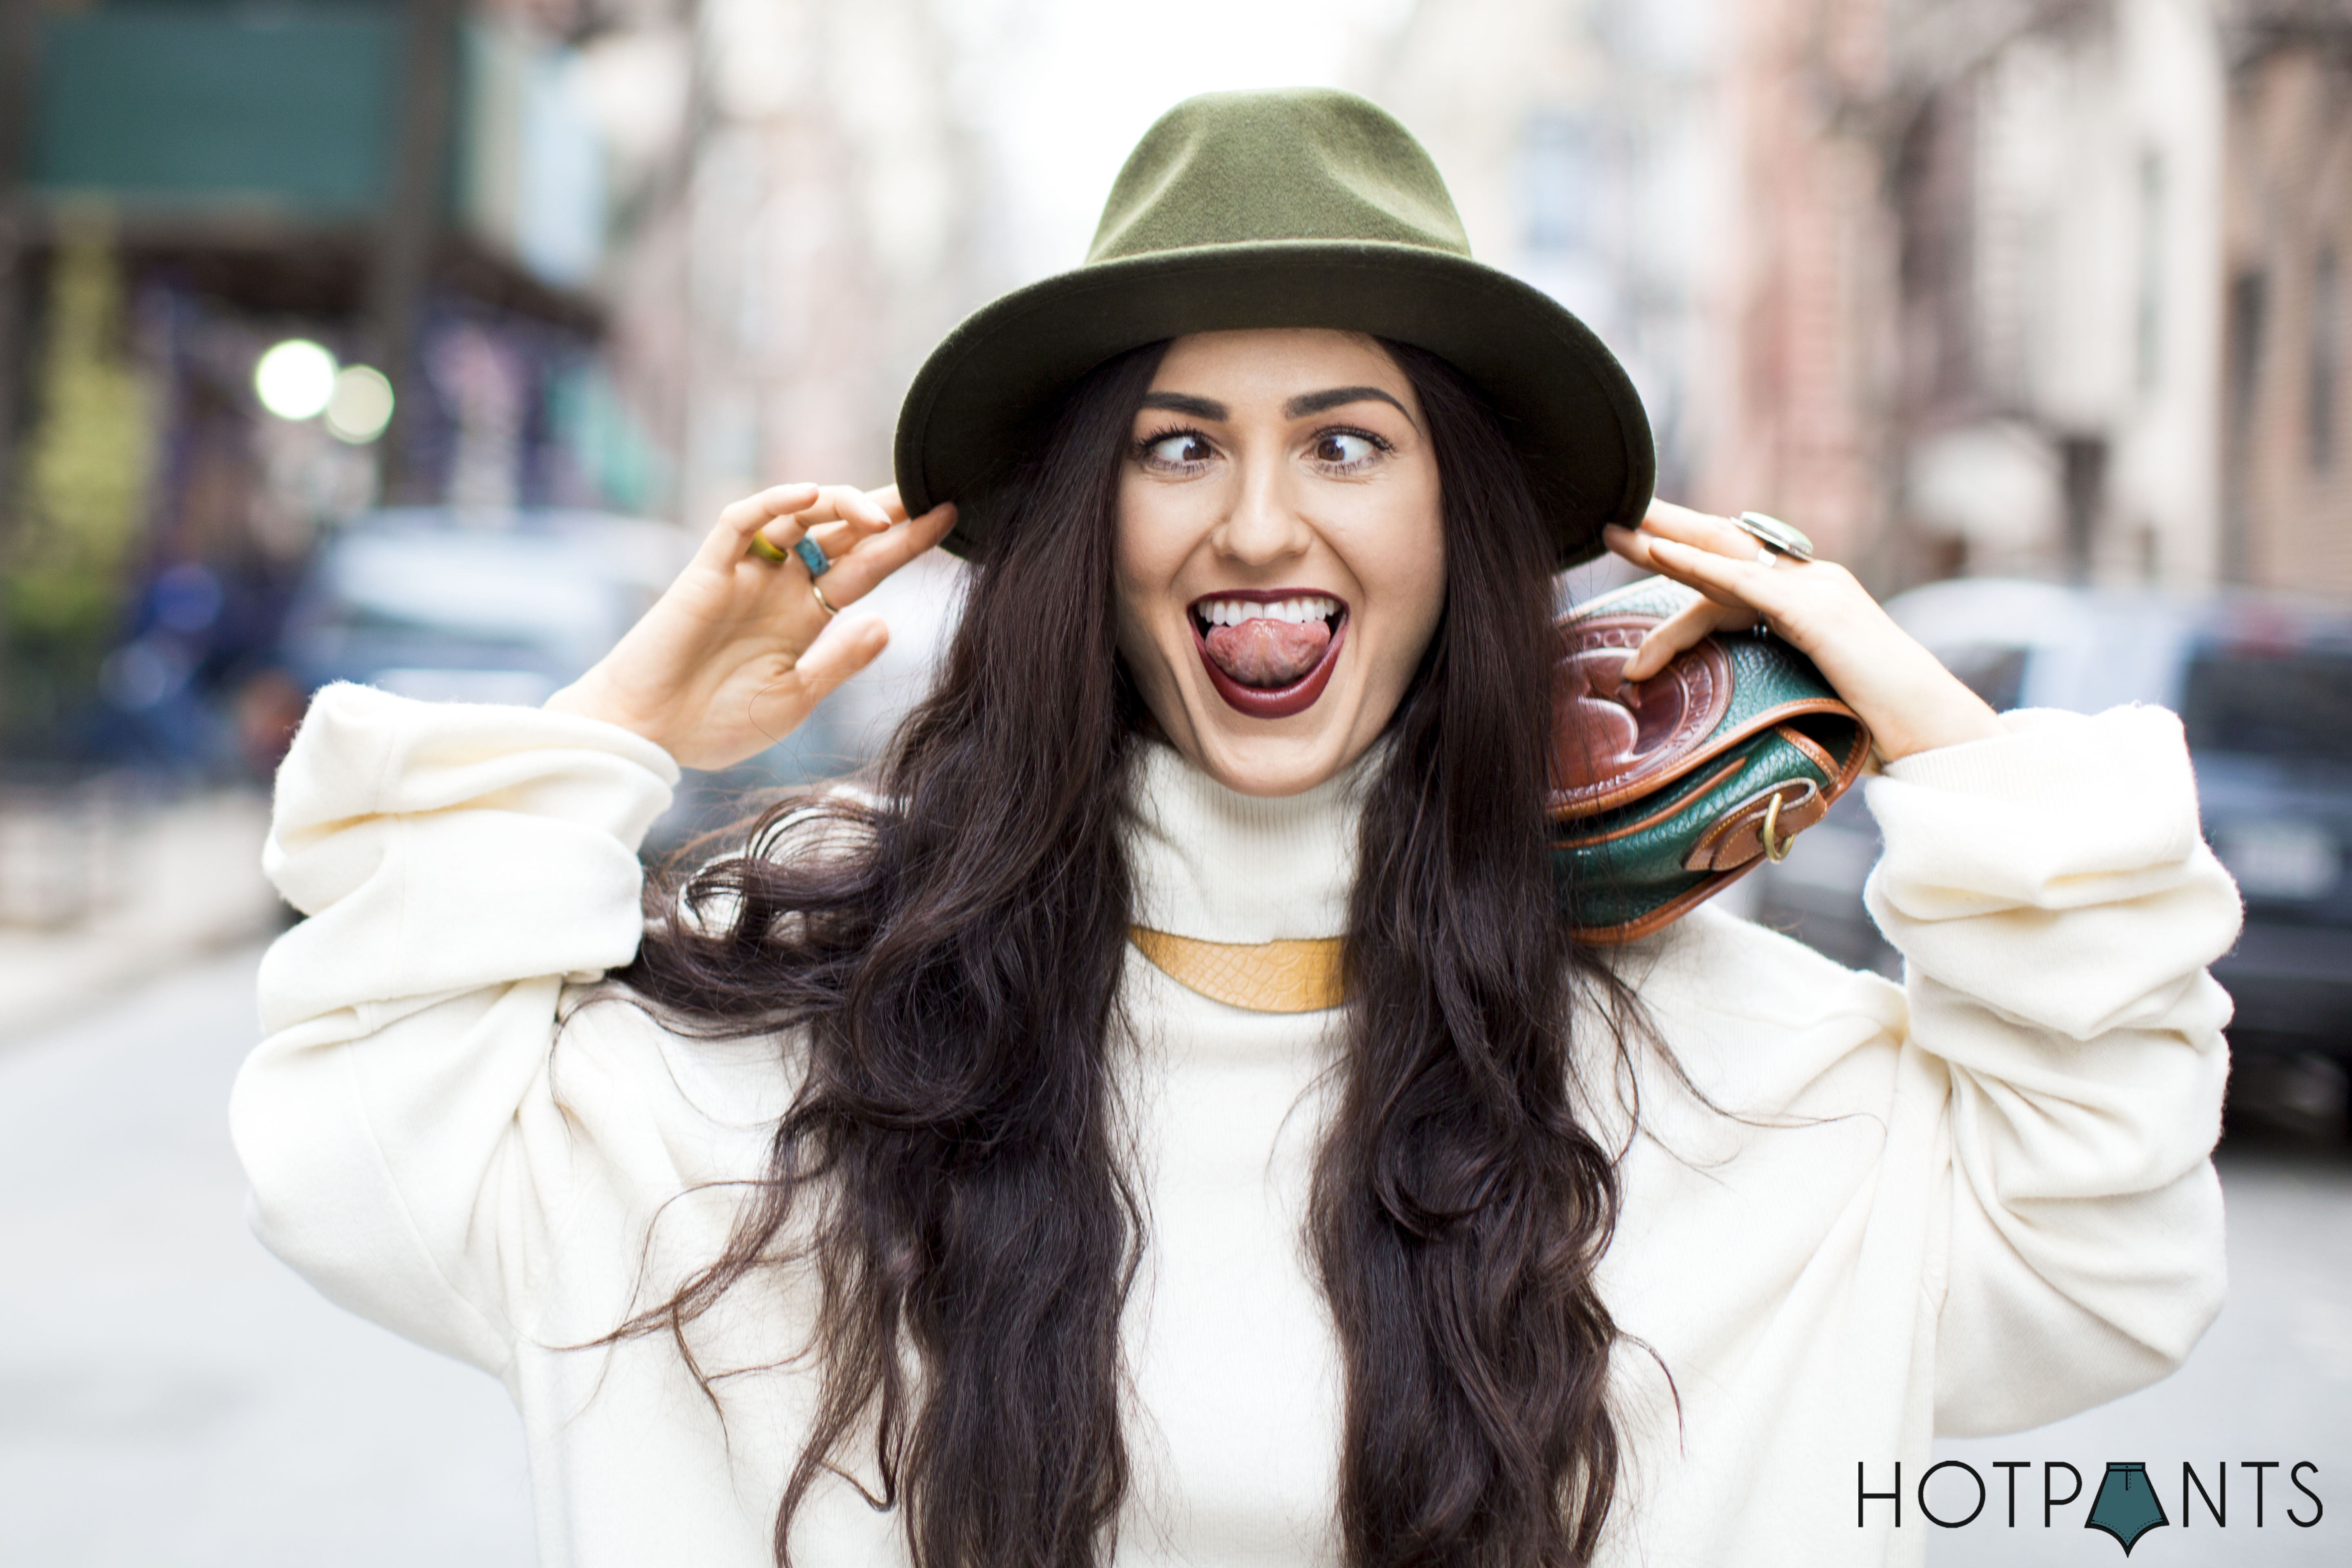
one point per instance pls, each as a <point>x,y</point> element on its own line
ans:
<point>1266,652</point>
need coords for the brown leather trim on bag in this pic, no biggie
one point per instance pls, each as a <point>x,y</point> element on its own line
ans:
<point>1843,771</point>
<point>1737,837</point>
<point>1857,756</point>
<point>1567,805</point>
<point>1681,804</point>
<point>1617,741</point>
<point>1813,748</point>
<point>1619,748</point>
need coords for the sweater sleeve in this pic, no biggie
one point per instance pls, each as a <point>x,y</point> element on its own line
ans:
<point>2056,906</point>
<point>457,864</point>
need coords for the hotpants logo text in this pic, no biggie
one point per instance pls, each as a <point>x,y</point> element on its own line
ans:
<point>2126,1504</point>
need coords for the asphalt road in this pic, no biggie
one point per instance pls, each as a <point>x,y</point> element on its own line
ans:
<point>170,1395</point>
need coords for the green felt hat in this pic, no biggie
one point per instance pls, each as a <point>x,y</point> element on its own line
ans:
<point>1302,207</point>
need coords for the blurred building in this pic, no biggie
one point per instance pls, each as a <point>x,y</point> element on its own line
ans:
<point>1585,143</point>
<point>420,186</point>
<point>815,239</point>
<point>1983,285</point>
<point>1975,303</point>
<point>1942,281</point>
<point>2287,497</point>
<point>1706,182</point>
<point>2058,174</point>
<point>813,230</point>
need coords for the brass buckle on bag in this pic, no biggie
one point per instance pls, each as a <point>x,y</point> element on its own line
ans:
<point>1775,849</point>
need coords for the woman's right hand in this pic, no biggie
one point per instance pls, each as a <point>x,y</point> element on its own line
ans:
<point>738,651</point>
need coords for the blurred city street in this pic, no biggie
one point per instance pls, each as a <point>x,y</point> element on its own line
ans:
<point>97,895</point>
<point>168,1392</point>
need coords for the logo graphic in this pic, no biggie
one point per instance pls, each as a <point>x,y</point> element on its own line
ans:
<point>2126,1507</point>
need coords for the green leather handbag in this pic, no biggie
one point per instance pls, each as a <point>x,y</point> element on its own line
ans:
<point>1667,791</point>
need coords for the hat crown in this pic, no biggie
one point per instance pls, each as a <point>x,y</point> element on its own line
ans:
<point>1295,164</point>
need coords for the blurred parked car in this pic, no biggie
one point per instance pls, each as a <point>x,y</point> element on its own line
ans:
<point>506,607</point>
<point>2264,687</point>
<point>447,606</point>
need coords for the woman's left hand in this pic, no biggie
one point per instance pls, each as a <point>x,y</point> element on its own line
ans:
<point>1911,702</point>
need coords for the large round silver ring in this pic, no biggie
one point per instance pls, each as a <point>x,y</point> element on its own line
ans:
<point>1775,535</point>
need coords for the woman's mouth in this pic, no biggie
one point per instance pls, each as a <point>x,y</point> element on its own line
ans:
<point>1270,654</point>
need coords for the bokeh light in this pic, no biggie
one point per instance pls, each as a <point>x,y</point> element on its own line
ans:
<point>359,406</point>
<point>295,379</point>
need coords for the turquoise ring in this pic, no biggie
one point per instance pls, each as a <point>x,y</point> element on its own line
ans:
<point>812,556</point>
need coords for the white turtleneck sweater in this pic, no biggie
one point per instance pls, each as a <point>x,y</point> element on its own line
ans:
<point>1968,1204</point>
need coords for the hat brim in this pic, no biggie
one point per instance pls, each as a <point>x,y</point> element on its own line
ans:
<point>988,392</point>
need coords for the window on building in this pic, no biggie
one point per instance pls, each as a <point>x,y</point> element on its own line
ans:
<point>2249,310</point>
<point>2326,331</point>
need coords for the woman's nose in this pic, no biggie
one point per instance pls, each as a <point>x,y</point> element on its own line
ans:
<point>1265,525</point>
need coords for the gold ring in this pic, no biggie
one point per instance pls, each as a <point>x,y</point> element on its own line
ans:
<point>765,548</point>
<point>830,612</point>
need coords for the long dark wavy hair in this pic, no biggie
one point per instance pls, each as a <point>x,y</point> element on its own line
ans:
<point>947,953</point>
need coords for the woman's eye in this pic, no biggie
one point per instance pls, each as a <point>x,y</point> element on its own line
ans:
<point>1180,450</point>
<point>1344,449</point>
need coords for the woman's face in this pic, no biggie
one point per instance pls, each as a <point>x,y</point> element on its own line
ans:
<point>1281,559</point>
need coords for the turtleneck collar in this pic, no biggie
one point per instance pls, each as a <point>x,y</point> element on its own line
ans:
<point>1221,867</point>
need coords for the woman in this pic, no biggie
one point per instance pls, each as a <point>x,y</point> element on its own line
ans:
<point>1168,1118</point>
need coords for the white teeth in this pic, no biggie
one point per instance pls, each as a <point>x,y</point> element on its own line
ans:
<point>1233,612</point>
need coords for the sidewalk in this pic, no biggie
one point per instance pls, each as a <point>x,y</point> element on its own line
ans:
<point>170,1394</point>
<point>182,879</point>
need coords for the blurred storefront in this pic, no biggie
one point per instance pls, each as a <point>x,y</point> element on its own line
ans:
<point>417,189</point>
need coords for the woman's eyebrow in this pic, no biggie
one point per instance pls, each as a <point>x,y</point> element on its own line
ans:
<point>1308,402</point>
<point>1181,403</point>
